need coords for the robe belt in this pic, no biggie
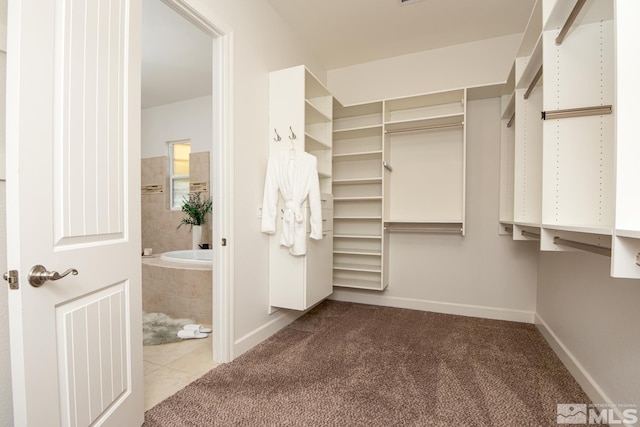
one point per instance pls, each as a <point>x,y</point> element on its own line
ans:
<point>292,213</point>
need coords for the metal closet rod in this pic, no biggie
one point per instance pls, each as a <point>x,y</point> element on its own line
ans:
<point>526,233</point>
<point>510,122</point>
<point>569,22</point>
<point>449,125</point>
<point>533,83</point>
<point>577,112</point>
<point>600,250</point>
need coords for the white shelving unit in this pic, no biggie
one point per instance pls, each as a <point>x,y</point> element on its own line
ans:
<point>301,116</point>
<point>578,164</point>
<point>575,171</point>
<point>359,260</point>
<point>507,154</point>
<point>425,150</point>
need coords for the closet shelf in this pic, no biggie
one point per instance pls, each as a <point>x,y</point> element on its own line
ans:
<point>313,114</point>
<point>634,234</point>
<point>357,267</point>
<point>363,155</point>
<point>533,64</point>
<point>357,199</point>
<point>366,252</point>
<point>357,283</point>
<point>313,143</point>
<point>452,119</point>
<point>357,132</point>
<point>357,236</point>
<point>509,108</point>
<point>579,229</point>
<point>366,218</point>
<point>324,174</point>
<point>354,181</point>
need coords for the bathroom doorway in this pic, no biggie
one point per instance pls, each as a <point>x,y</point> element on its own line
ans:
<point>185,67</point>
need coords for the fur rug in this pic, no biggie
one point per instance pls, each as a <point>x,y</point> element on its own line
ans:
<point>158,328</point>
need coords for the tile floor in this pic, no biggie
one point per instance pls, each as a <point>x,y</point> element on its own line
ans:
<point>170,367</point>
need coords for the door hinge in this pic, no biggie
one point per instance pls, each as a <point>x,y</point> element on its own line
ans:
<point>224,242</point>
<point>11,276</point>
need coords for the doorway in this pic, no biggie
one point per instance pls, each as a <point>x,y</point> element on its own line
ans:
<point>205,69</point>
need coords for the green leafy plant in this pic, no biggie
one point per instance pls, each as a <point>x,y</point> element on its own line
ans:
<point>196,209</point>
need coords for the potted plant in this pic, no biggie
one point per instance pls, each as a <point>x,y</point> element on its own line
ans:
<point>197,209</point>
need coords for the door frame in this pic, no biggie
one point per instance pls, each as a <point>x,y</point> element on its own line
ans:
<point>222,174</point>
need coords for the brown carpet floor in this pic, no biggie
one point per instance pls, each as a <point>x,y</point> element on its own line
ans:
<point>347,364</point>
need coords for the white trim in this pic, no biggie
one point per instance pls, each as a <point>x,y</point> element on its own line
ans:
<point>486,312</point>
<point>575,368</point>
<point>260,334</point>
<point>222,176</point>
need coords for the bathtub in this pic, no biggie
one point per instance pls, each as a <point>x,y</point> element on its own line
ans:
<point>199,257</point>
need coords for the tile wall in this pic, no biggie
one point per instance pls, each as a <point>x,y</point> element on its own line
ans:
<point>159,222</point>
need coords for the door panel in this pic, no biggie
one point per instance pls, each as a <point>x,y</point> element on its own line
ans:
<point>73,179</point>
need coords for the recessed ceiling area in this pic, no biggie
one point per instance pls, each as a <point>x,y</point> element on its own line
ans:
<point>348,32</point>
<point>176,57</point>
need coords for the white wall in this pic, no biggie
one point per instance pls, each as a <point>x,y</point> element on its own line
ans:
<point>465,65</point>
<point>189,119</point>
<point>596,319</point>
<point>481,274</point>
<point>262,42</point>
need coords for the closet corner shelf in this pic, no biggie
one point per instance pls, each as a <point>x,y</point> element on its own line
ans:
<point>315,144</point>
<point>356,199</point>
<point>358,218</point>
<point>363,155</point>
<point>357,132</point>
<point>604,231</point>
<point>354,251</point>
<point>313,114</point>
<point>358,283</point>
<point>354,181</point>
<point>444,120</point>
<point>357,236</point>
<point>357,267</point>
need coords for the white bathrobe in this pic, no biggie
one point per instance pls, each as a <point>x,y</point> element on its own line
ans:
<point>295,174</point>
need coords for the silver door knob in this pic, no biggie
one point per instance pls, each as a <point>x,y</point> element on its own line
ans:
<point>38,275</point>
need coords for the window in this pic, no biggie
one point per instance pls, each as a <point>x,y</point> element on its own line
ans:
<point>179,171</point>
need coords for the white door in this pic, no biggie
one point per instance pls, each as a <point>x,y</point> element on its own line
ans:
<point>73,191</point>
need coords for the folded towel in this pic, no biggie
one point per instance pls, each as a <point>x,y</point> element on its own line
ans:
<point>199,328</point>
<point>191,333</point>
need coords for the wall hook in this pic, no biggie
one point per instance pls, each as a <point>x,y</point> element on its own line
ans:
<point>293,135</point>
<point>277,138</point>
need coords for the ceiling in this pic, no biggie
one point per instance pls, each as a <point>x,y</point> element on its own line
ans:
<point>176,57</point>
<point>177,61</point>
<point>347,32</point>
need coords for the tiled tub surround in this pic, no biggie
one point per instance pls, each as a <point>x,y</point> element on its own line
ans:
<point>177,289</point>
<point>159,222</point>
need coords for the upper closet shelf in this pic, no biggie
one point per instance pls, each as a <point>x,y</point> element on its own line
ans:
<point>529,66</point>
<point>357,132</point>
<point>314,144</point>
<point>577,229</point>
<point>351,181</point>
<point>314,115</point>
<point>364,155</point>
<point>440,122</point>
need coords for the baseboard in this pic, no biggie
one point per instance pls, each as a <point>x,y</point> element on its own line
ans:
<point>255,337</point>
<point>435,306</point>
<point>573,365</point>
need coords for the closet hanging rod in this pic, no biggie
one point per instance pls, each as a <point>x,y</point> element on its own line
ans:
<point>600,250</point>
<point>387,166</point>
<point>569,22</point>
<point>525,233</point>
<point>418,128</point>
<point>510,122</point>
<point>533,84</point>
<point>577,112</point>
